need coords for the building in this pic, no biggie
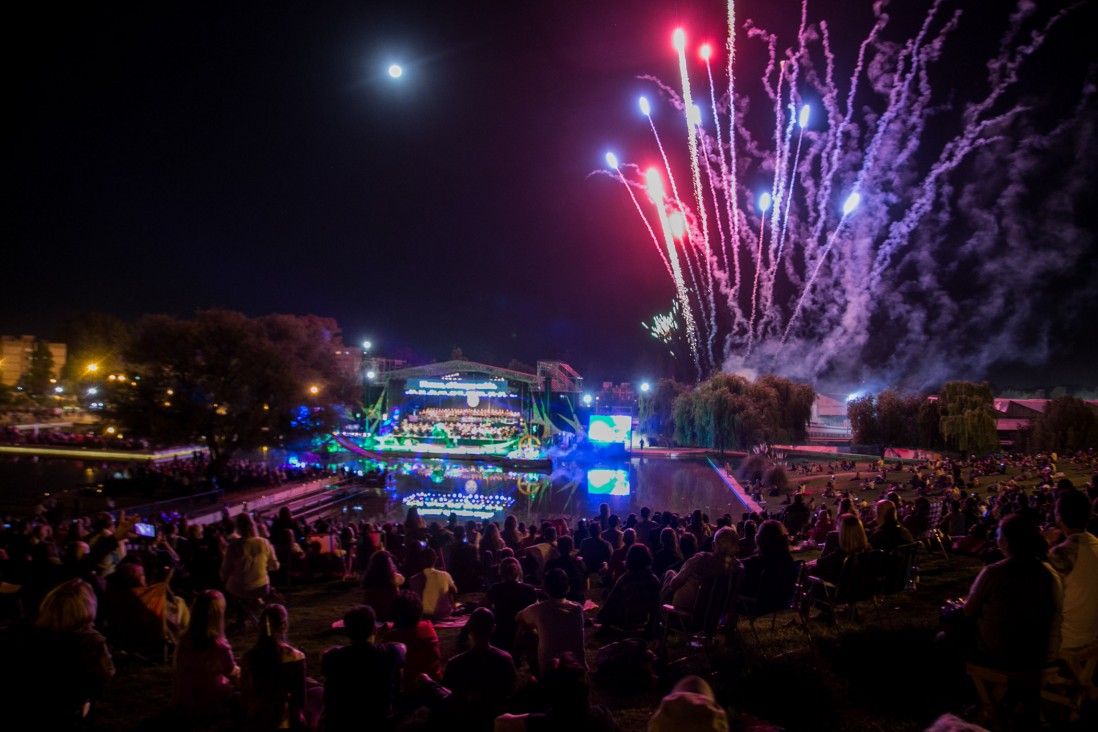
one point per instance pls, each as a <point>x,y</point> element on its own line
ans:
<point>16,353</point>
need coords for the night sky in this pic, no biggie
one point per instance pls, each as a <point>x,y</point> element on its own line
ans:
<point>165,157</point>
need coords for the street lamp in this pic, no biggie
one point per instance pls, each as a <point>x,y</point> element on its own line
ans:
<point>314,389</point>
<point>366,345</point>
<point>645,387</point>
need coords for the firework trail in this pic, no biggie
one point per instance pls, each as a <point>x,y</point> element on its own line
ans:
<point>867,240</point>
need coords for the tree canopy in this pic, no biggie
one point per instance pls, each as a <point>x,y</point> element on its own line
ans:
<point>232,382</point>
<point>1066,424</point>
<point>968,417</point>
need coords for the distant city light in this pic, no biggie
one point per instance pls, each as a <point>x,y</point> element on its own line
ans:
<point>587,399</point>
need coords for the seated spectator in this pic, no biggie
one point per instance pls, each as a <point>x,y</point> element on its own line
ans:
<point>204,665</point>
<point>973,543</point>
<point>747,539</point>
<point>824,525</point>
<point>668,554</point>
<point>480,680</point>
<point>63,663</point>
<point>464,562</point>
<point>685,587</point>
<point>435,587</point>
<point>573,566</point>
<point>852,540</point>
<point>568,687</point>
<point>595,550</point>
<point>1075,558</point>
<point>889,533</point>
<point>772,553</point>
<point>418,637</point>
<point>138,617</point>
<point>541,552</point>
<point>381,583</point>
<point>272,684</point>
<point>507,597</point>
<point>362,680</point>
<point>690,706</point>
<point>635,598</point>
<point>556,622</point>
<point>616,566</point>
<point>1014,607</point>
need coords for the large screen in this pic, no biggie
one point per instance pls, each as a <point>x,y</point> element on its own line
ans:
<point>607,482</point>
<point>610,429</point>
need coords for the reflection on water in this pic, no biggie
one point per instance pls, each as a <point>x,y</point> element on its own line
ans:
<point>484,491</point>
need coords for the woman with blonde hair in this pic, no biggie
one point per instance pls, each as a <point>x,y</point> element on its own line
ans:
<point>62,664</point>
<point>204,663</point>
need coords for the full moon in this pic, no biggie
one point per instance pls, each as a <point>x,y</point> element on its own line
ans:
<point>395,71</point>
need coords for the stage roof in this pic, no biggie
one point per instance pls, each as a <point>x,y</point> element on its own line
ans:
<point>446,368</point>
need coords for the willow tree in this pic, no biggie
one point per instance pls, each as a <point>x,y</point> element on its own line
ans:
<point>968,417</point>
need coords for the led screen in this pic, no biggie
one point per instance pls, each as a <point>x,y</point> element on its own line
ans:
<point>607,482</point>
<point>610,429</point>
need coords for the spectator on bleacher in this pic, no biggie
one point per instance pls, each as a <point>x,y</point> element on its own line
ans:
<point>204,665</point>
<point>245,568</point>
<point>507,597</point>
<point>381,583</point>
<point>889,533</point>
<point>362,680</point>
<point>1075,558</point>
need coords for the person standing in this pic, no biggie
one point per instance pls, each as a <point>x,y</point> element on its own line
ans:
<point>245,568</point>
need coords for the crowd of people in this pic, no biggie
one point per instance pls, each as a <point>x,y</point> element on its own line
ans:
<point>528,595</point>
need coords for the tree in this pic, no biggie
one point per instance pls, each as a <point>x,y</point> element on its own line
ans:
<point>232,382</point>
<point>656,410</point>
<point>795,407</point>
<point>1067,424</point>
<point>968,417</point>
<point>864,425</point>
<point>929,424</point>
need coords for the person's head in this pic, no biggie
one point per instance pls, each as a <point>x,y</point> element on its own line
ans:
<point>556,583</point>
<point>846,505</point>
<point>564,546</point>
<point>360,623</point>
<point>669,539</point>
<point>629,537</point>
<point>688,545</point>
<point>886,513</point>
<point>593,530</point>
<point>1073,510</point>
<point>130,575</point>
<point>510,570</point>
<point>104,521</point>
<point>691,705</point>
<point>852,536</point>
<point>613,521</point>
<point>379,569</point>
<point>638,557</point>
<point>207,619</point>
<point>481,624</point>
<point>406,609</point>
<point>750,529</point>
<point>1019,537</point>
<point>68,608</point>
<point>773,538</point>
<point>510,523</point>
<point>549,533</point>
<point>245,526</point>
<point>646,512</point>
<point>726,542</point>
<point>604,510</point>
<point>274,623</point>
